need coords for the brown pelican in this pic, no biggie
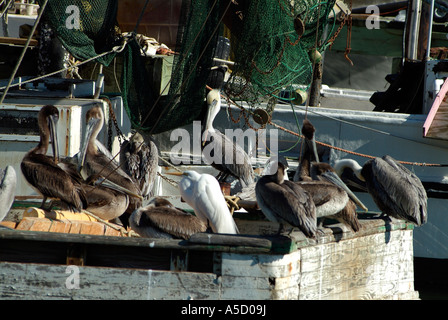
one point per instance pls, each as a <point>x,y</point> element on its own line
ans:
<point>94,162</point>
<point>42,171</point>
<point>396,191</point>
<point>270,167</point>
<point>8,181</point>
<point>340,203</point>
<point>140,161</point>
<point>332,197</point>
<point>105,199</point>
<point>160,219</point>
<point>310,153</point>
<point>231,158</point>
<point>285,202</point>
<point>203,193</point>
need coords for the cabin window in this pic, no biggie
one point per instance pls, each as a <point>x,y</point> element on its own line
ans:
<point>18,122</point>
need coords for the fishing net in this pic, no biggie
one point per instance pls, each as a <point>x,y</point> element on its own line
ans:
<point>271,46</point>
<point>197,35</point>
<point>85,28</point>
<point>272,53</point>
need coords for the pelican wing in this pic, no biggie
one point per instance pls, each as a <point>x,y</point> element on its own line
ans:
<point>179,224</point>
<point>395,191</point>
<point>228,157</point>
<point>129,161</point>
<point>52,181</point>
<point>289,203</point>
<point>320,191</point>
<point>148,168</point>
<point>417,197</point>
<point>349,217</point>
<point>239,165</point>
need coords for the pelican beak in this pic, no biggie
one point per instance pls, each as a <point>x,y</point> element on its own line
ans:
<point>89,131</point>
<point>54,139</point>
<point>176,173</point>
<point>334,178</point>
<point>107,183</point>
<point>204,137</point>
<point>312,145</point>
<point>209,120</point>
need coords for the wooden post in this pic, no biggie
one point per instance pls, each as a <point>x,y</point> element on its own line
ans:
<point>316,85</point>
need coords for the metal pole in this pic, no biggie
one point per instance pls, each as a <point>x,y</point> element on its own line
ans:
<point>412,45</point>
<point>431,16</point>
<point>24,51</point>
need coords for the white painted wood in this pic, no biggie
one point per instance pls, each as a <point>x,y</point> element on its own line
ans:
<point>374,265</point>
<point>34,281</point>
<point>261,265</point>
<point>70,131</point>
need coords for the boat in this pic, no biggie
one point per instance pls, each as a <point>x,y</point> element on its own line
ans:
<point>376,263</point>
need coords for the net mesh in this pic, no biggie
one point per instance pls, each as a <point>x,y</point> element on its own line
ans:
<point>270,47</point>
<point>85,28</point>
<point>272,53</point>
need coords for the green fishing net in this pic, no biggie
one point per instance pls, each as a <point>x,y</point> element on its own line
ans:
<point>271,48</point>
<point>272,52</point>
<point>85,28</point>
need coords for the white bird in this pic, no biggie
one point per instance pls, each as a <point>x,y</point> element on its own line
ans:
<point>397,191</point>
<point>203,193</point>
<point>8,181</point>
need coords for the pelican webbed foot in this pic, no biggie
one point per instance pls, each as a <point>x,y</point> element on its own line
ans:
<point>232,203</point>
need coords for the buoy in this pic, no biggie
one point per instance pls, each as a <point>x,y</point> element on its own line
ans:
<point>315,56</point>
<point>299,26</point>
<point>260,116</point>
<point>300,97</point>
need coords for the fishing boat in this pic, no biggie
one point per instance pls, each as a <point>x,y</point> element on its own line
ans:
<point>374,263</point>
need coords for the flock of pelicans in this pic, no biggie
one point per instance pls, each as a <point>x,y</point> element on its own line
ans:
<point>93,181</point>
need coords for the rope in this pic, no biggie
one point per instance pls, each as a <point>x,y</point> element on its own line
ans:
<point>170,165</point>
<point>356,153</point>
<point>116,49</point>
<point>333,147</point>
<point>170,181</point>
<point>123,231</point>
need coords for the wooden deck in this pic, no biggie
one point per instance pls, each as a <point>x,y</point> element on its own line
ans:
<point>436,123</point>
<point>375,263</point>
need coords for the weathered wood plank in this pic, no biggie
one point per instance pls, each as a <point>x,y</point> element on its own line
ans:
<point>438,127</point>
<point>231,240</point>
<point>260,265</point>
<point>436,113</point>
<point>371,264</point>
<point>57,214</point>
<point>9,224</point>
<point>35,281</point>
<point>363,267</point>
<point>61,226</point>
